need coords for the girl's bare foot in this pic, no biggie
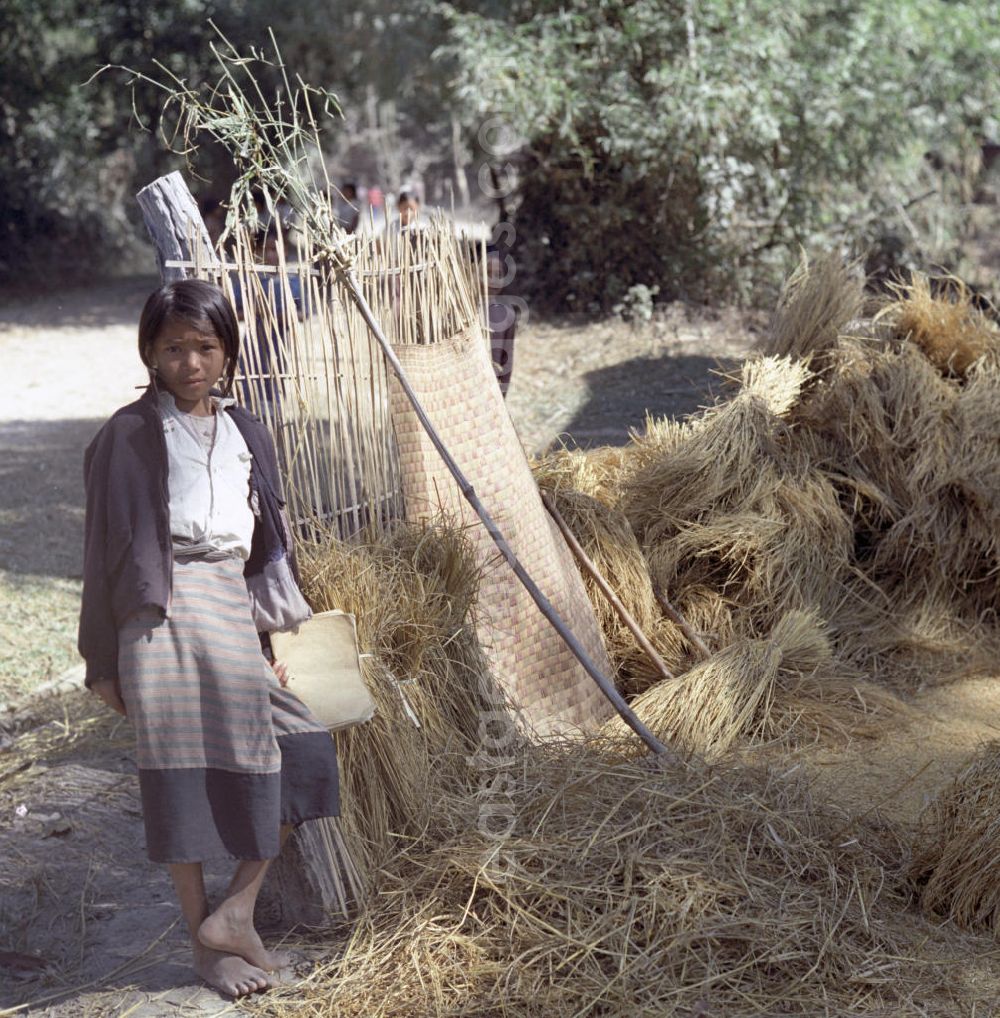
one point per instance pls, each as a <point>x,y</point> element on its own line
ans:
<point>228,973</point>
<point>230,930</point>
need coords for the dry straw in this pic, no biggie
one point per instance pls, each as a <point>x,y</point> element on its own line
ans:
<point>412,589</point>
<point>863,486</point>
<point>818,303</point>
<point>607,539</point>
<point>940,318</point>
<point>760,691</point>
<point>731,505</point>
<point>956,859</point>
<point>630,888</point>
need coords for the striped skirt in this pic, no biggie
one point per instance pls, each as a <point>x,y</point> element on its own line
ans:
<point>225,754</point>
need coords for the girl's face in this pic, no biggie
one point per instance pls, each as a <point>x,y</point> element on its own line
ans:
<point>189,361</point>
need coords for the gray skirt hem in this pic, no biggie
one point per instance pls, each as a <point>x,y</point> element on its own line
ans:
<point>204,813</point>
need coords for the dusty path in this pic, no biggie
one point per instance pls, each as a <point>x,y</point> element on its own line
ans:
<point>68,362</point>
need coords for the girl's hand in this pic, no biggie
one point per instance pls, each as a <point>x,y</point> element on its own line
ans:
<point>281,671</point>
<point>108,692</point>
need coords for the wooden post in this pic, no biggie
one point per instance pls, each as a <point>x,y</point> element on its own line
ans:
<point>314,879</point>
<point>175,226</point>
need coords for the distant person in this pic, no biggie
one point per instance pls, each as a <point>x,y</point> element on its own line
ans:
<point>347,207</point>
<point>376,206</point>
<point>407,210</point>
<point>501,315</point>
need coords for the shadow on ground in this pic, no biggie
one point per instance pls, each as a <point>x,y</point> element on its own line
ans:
<point>42,496</point>
<point>117,302</point>
<point>621,395</point>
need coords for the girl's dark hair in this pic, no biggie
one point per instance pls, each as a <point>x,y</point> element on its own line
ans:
<point>197,303</point>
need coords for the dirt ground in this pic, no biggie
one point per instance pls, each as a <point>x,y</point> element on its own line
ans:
<point>76,892</point>
<point>69,362</point>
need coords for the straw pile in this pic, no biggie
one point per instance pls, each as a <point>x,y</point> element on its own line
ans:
<point>629,888</point>
<point>412,589</point>
<point>854,474</point>
<point>520,879</point>
<point>736,508</point>
<point>956,859</point>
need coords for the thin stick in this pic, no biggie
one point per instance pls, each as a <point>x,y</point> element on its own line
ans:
<point>675,616</point>
<point>544,605</point>
<point>594,573</point>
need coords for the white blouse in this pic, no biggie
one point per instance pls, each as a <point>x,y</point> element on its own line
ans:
<point>208,480</point>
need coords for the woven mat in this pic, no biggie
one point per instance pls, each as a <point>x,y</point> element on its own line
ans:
<point>457,387</point>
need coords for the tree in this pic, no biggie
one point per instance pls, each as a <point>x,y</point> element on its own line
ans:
<point>695,144</point>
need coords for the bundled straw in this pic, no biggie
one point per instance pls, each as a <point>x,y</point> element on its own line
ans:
<point>915,458</point>
<point>817,304</point>
<point>759,691</point>
<point>948,328</point>
<point>956,860</point>
<point>712,468</point>
<point>591,472</point>
<point>731,505</point>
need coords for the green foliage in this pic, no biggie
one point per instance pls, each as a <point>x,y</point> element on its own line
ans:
<point>74,148</point>
<point>637,304</point>
<point>696,145</point>
<point>70,155</point>
<point>690,145</point>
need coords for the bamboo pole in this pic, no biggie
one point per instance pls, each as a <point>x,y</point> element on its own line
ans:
<point>675,616</point>
<point>595,574</point>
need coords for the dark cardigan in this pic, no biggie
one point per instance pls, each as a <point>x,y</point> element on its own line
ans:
<point>128,555</point>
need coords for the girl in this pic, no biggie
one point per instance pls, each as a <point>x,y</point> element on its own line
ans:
<point>187,557</point>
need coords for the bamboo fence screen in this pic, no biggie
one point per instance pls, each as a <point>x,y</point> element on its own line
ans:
<point>311,370</point>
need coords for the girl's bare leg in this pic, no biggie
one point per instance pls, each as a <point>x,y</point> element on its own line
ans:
<point>230,927</point>
<point>226,971</point>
